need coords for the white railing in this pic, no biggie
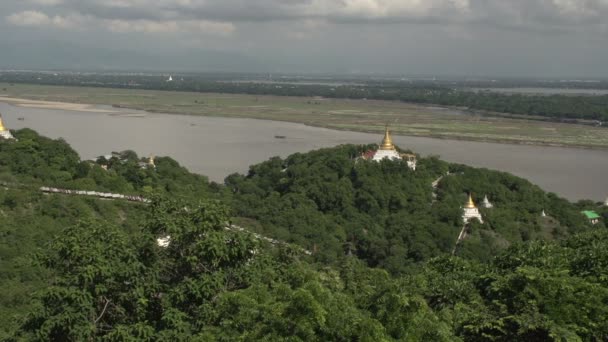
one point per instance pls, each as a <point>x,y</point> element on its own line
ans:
<point>105,195</point>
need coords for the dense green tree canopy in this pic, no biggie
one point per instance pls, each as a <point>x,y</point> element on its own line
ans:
<point>335,203</point>
<point>81,269</point>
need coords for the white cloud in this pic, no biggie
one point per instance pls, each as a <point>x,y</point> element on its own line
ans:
<point>47,2</point>
<point>73,20</point>
<point>149,26</point>
<point>29,18</point>
<point>384,8</point>
<point>146,26</point>
<point>36,18</point>
<point>580,8</point>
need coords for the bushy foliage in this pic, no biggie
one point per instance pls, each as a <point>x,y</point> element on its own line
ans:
<point>83,269</point>
<point>215,284</point>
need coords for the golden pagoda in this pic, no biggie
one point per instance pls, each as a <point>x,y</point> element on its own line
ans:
<point>387,141</point>
<point>4,132</point>
<point>387,150</point>
<point>470,211</point>
<point>470,203</point>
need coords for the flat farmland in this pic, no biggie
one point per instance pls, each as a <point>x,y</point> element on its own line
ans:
<point>343,114</point>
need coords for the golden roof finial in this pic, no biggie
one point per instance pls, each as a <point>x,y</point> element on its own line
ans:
<point>387,142</point>
<point>470,203</point>
<point>2,128</point>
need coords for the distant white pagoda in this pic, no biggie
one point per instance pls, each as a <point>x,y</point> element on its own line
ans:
<point>470,211</point>
<point>170,79</point>
<point>543,214</point>
<point>486,203</point>
<point>4,132</point>
<point>387,150</point>
<point>606,203</point>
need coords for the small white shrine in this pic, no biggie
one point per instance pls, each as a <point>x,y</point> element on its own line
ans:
<point>486,203</point>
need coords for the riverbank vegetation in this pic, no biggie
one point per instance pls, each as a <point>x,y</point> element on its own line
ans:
<point>77,268</point>
<point>343,114</point>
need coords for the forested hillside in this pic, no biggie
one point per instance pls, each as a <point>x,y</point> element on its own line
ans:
<point>35,160</point>
<point>334,203</point>
<point>76,268</point>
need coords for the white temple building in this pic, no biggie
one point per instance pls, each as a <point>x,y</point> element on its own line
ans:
<point>387,150</point>
<point>486,203</point>
<point>4,132</point>
<point>471,212</point>
<point>164,241</point>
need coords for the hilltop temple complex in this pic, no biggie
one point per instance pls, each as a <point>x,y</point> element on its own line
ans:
<point>4,132</point>
<point>471,211</point>
<point>387,150</point>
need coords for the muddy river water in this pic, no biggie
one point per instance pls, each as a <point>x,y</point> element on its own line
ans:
<point>217,147</point>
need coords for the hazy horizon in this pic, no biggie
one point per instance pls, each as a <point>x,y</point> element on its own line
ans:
<point>462,38</point>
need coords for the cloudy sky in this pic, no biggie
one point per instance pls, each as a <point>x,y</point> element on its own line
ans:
<point>435,37</point>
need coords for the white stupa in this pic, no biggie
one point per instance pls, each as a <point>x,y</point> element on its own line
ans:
<point>606,203</point>
<point>471,211</point>
<point>4,132</point>
<point>543,214</point>
<point>486,203</point>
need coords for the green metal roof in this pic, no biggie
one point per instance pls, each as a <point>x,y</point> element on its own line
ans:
<point>591,214</point>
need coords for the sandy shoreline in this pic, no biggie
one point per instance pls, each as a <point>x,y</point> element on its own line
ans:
<point>79,107</point>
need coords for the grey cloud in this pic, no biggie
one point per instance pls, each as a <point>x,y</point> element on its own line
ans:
<point>417,36</point>
<point>516,12</point>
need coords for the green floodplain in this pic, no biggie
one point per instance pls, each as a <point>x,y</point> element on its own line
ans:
<point>342,114</point>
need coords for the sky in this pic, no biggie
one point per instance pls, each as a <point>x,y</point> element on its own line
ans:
<point>502,38</point>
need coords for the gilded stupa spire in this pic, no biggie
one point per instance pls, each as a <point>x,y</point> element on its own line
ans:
<point>470,204</point>
<point>387,141</point>
<point>4,132</point>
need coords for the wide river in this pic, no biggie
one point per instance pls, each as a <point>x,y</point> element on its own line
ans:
<point>217,147</point>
